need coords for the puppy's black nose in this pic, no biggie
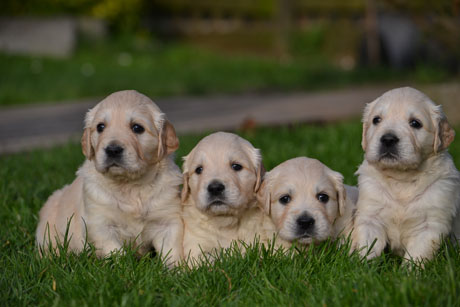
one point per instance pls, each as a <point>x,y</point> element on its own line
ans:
<point>305,222</point>
<point>389,140</point>
<point>113,151</point>
<point>216,188</point>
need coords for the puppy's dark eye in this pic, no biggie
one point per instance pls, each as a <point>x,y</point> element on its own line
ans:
<point>100,127</point>
<point>199,170</point>
<point>376,120</point>
<point>236,167</point>
<point>285,199</point>
<point>415,123</point>
<point>324,198</point>
<point>138,129</point>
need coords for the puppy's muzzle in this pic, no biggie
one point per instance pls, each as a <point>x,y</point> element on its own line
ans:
<point>388,145</point>
<point>389,140</point>
<point>305,225</point>
<point>216,193</point>
<point>114,152</point>
<point>216,188</point>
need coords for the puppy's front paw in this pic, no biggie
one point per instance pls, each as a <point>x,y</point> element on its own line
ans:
<point>368,242</point>
<point>108,249</point>
<point>365,250</point>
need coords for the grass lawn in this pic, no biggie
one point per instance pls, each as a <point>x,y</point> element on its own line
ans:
<point>322,276</point>
<point>100,68</point>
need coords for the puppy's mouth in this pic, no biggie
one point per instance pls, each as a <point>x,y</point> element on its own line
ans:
<point>113,165</point>
<point>304,235</point>
<point>216,203</point>
<point>388,156</point>
<point>306,238</point>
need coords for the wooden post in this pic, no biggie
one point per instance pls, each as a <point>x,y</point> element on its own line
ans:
<point>283,26</point>
<point>456,7</point>
<point>372,34</point>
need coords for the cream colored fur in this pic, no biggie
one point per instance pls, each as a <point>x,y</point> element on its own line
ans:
<point>302,180</point>
<point>409,202</point>
<point>134,199</point>
<point>211,224</point>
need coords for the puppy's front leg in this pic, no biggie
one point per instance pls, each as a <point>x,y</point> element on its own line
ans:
<point>455,233</point>
<point>104,239</point>
<point>368,228</point>
<point>422,246</point>
<point>167,240</point>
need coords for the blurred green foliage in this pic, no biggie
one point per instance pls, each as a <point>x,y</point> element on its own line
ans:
<point>324,51</point>
<point>221,8</point>
<point>100,67</point>
<point>308,42</point>
<point>122,14</point>
<point>45,7</point>
<point>129,13</point>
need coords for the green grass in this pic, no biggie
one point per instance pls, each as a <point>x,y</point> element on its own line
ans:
<point>100,68</point>
<point>321,276</point>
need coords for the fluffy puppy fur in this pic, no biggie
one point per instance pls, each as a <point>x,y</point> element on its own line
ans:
<point>127,190</point>
<point>307,201</point>
<point>408,184</point>
<point>221,175</point>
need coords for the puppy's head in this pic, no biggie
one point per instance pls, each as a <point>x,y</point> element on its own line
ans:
<point>125,134</point>
<point>303,197</point>
<point>402,128</point>
<point>221,174</point>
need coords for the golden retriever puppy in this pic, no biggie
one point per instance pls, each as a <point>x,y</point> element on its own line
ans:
<point>221,175</point>
<point>408,184</point>
<point>127,190</point>
<point>307,201</point>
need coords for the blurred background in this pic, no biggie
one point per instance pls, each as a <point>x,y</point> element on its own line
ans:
<point>213,53</point>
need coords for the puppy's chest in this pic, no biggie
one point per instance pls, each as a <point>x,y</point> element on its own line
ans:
<point>120,207</point>
<point>405,210</point>
<point>397,203</point>
<point>205,237</point>
<point>213,235</point>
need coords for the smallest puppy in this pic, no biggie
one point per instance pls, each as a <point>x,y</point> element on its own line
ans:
<point>307,201</point>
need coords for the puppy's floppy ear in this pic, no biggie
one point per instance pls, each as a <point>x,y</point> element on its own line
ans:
<point>366,114</point>
<point>260,176</point>
<point>256,159</point>
<point>264,197</point>
<point>168,141</point>
<point>337,180</point>
<point>86,146</point>
<point>185,188</point>
<point>444,134</point>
